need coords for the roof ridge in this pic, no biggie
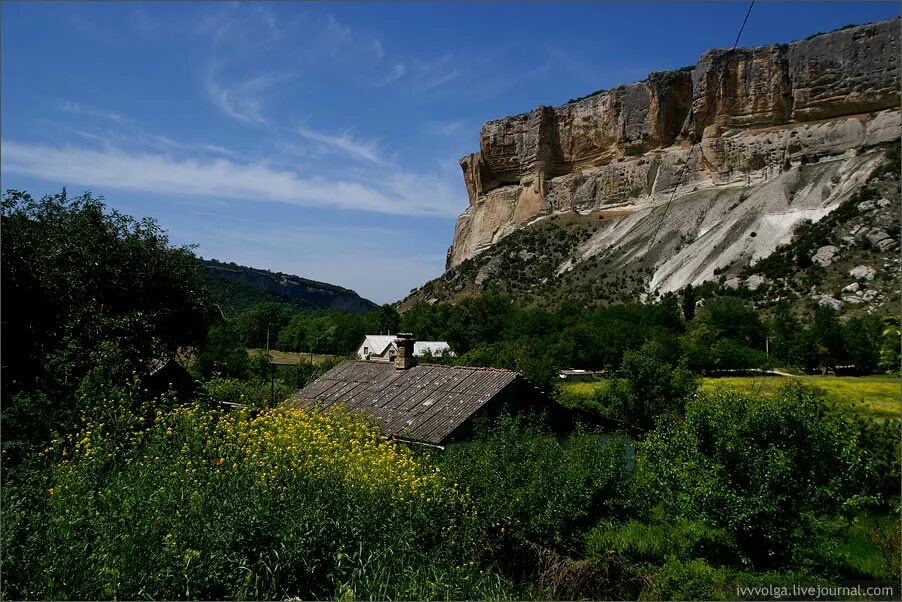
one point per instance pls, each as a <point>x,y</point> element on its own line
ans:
<point>481,368</point>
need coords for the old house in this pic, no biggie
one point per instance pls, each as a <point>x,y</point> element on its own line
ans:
<point>382,348</point>
<point>425,403</point>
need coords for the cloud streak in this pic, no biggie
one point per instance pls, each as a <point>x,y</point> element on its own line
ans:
<point>397,72</point>
<point>243,100</point>
<point>346,144</point>
<point>88,111</point>
<point>395,192</point>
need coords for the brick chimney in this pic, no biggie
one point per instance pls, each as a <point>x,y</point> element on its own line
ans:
<point>404,358</point>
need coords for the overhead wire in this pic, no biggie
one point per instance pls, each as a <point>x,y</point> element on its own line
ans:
<point>692,148</point>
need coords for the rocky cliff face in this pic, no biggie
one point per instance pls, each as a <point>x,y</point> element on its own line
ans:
<point>740,118</point>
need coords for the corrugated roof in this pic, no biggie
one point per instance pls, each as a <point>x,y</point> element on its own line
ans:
<point>423,403</point>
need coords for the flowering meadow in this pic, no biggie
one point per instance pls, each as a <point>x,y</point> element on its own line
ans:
<point>192,502</point>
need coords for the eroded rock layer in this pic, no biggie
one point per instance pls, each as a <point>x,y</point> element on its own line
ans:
<point>739,117</point>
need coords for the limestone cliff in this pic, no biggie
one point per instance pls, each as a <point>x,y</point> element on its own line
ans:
<point>739,119</point>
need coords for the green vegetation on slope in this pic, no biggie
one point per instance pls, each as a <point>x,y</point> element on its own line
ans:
<point>236,288</point>
<point>791,276</point>
<point>523,266</point>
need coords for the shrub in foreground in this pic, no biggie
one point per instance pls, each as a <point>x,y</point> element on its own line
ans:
<point>528,484</point>
<point>781,476</point>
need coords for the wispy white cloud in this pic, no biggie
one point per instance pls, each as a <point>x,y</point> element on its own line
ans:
<point>96,112</point>
<point>448,128</point>
<point>336,32</point>
<point>399,193</point>
<point>243,100</point>
<point>269,19</point>
<point>378,49</point>
<point>427,75</point>
<point>436,80</point>
<point>346,144</point>
<point>129,133</point>
<point>216,26</point>
<point>493,87</point>
<point>103,140</point>
<point>169,143</point>
<point>397,72</point>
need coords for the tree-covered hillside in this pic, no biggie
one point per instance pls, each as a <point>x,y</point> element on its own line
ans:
<point>236,287</point>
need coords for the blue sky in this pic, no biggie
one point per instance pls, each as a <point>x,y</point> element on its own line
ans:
<point>322,139</point>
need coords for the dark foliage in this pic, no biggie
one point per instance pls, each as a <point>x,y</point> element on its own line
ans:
<point>86,288</point>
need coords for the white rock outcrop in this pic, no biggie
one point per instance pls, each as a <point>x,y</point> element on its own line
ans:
<point>863,272</point>
<point>824,256</point>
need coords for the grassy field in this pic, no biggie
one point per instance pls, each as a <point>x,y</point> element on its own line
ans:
<point>875,396</point>
<point>291,358</point>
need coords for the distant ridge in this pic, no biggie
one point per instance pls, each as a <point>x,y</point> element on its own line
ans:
<point>237,287</point>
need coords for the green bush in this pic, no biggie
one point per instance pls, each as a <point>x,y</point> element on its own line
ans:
<point>680,579</point>
<point>254,393</point>
<point>774,473</point>
<point>529,485</point>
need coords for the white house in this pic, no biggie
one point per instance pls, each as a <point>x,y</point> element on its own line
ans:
<point>382,348</point>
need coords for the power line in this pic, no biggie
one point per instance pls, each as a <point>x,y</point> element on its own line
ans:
<point>692,148</point>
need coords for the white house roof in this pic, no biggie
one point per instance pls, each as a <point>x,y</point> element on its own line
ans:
<point>433,347</point>
<point>378,343</point>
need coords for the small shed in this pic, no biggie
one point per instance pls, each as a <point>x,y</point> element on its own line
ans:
<point>164,375</point>
<point>425,403</point>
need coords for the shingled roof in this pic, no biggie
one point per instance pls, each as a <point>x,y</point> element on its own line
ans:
<point>424,403</point>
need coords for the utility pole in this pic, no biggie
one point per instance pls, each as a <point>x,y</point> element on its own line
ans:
<point>272,372</point>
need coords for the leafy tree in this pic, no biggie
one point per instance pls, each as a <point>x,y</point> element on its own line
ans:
<point>293,337</point>
<point>87,287</point>
<point>260,325</point>
<point>530,357</point>
<point>688,302</point>
<point>732,318</point>
<point>223,352</point>
<point>805,349</point>
<point>429,322</point>
<point>647,386</point>
<point>861,339</point>
<point>726,334</point>
<point>890,346</point>
<point>828,333</point>
<point>479,319</point>
<point>784,328</point>
<point>385,320</point>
